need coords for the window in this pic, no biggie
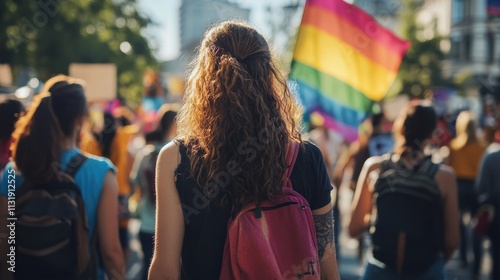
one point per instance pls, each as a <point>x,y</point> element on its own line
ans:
<point>457,11</point>
<point>466,54</point>
<point>455,49</point>
<point>468,10</point>
<point>490,37</point>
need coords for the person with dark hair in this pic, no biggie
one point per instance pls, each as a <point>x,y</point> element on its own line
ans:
<point>363,148</point>
<point>107,134</point>
<point>112,143</point>
<point>374,140</point>
<point>44,143</point>
<point>10,111</point>
<point>411,202</point>
<point>236,130</point>
<point>143,178</point>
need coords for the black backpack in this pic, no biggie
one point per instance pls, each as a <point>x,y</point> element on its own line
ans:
<point>408,229</point>
<point>52,232</point>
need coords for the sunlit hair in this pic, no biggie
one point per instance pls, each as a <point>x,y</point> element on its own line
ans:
<point>414,126</point>
<point>238,109</point>
<point>40,134</point>
<point>466,130</point>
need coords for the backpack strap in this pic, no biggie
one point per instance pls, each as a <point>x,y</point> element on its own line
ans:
<point>74,164</point>
<point>291,157</point>
<point>85,270</point>
<point>386,162</point>
<point>431,169</point>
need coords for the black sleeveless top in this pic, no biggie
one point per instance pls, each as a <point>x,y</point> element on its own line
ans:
<point>206,223</point>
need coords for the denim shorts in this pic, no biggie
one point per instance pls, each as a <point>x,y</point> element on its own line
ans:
<point>376,270</point>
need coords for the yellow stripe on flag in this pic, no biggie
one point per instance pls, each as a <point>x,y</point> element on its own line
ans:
<point>334,57</point>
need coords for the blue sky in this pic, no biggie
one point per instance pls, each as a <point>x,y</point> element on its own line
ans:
<point>165,35</point>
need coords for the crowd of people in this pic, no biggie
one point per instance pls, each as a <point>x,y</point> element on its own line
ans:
<point>229,186</point>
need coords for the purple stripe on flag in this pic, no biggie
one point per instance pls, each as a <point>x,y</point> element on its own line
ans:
<point>349,133</point>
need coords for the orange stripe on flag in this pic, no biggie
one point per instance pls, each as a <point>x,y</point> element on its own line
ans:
<point>336,26</point>
<point>327,54</point>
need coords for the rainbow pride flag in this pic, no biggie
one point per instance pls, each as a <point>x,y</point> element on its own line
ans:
<point>343,62</point>
<point>494,7</point>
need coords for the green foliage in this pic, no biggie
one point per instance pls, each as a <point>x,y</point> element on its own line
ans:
<point>48,35</point>
<point>420,69</point>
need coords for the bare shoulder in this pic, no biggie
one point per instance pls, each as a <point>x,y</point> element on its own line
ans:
<point>446,179</point>
<point>445,172</point>
<point>373,163</point>
<point>171,148</point>
<point>169,155</point>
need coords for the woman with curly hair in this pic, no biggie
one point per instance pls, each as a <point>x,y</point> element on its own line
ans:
<point>238,119</point>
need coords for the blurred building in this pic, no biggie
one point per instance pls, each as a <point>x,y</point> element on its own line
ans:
<point>475,41</point>
<point>385,11</point>
<point>472,36</point>
<point>196,16</point>
<point>434,16</point>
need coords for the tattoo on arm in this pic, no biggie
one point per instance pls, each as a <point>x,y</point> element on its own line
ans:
<point>324,231</point>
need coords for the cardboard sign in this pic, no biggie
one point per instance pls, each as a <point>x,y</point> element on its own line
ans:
<point>5,75</point>
<point>100,80</point>
<point>392,108</point>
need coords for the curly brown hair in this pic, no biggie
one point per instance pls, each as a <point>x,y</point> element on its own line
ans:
<point>238,117</point>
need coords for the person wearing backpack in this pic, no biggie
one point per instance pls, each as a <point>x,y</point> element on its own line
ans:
<point>66,202</point>
<point>112,142</point>
<point>411,203</point>
<point>239,195</point>
<point>143,178</point>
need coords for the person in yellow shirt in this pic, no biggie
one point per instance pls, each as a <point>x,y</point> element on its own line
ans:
<point>466,151</point>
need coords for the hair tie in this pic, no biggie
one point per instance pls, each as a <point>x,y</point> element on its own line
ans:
<point>216,49</point>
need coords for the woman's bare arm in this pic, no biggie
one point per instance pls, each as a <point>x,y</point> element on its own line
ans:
<point>323,222</point>
<point>169,232</point>
<point>362,202</point>
<point>107,229</point>
<point>447,182</point>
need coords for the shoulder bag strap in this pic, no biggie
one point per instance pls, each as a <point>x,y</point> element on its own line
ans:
<point>291,157</point>
<point>432,169</point>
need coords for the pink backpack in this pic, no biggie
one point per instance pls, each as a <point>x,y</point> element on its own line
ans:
<point>276,240</point>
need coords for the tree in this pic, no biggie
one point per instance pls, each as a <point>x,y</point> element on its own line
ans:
<point>420,69</point>
<point>48,35</point>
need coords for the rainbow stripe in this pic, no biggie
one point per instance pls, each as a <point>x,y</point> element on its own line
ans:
<point>494,7</point>
<point>343,62</point>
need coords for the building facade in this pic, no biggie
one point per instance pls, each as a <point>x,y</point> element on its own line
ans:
<point>432,13</point>
<point>198,15</point>
<point>385,11</point>
<point>475,40</point>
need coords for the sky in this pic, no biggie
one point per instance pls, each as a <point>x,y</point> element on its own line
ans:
<point>164,36</point>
